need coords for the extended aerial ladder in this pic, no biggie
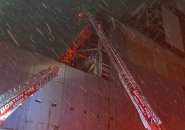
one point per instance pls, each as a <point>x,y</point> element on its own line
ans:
<point>149,119</point>
<point>11,100</point>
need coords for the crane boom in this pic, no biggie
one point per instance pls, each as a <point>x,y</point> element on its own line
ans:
<point>146,113</point>
<point>80,41</point>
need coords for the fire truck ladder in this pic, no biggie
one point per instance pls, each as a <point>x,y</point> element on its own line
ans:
<point>12,99</point>
<point>146,113</point>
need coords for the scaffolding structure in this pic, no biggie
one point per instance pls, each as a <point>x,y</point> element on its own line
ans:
<point>149,20</point>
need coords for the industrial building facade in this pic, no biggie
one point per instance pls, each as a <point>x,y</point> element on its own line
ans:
<point>77,100</point>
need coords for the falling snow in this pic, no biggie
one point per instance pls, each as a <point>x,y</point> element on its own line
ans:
<point>43,26</point>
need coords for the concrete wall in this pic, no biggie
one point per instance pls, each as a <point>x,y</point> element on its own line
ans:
<point>172,29</point>
<point>180,4</point>
<point>85,102</point>
<point>33,115</point>
<point>17,65</point>
<point>6,129</point>
<point>145,53</point>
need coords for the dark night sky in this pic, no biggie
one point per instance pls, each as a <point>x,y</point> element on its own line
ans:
<point>47,26</point>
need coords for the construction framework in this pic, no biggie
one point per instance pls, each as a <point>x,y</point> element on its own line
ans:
<point>87,54</point>
<point>149,20</point>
